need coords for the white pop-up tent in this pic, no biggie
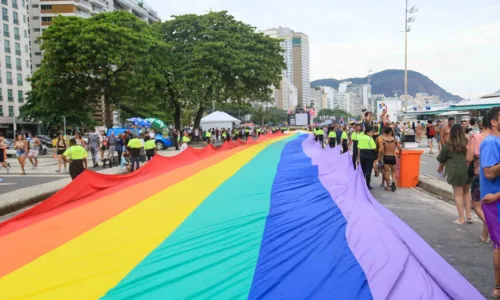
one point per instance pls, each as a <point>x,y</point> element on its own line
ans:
<point>219,119</point>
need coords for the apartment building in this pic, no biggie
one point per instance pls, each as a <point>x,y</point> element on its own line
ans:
<point>14,62</point>
<point>139,8</point>
<point>296,47</point>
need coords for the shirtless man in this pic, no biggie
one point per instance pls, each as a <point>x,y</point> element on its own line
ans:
<point>387,154</point>
<point>445,131</point>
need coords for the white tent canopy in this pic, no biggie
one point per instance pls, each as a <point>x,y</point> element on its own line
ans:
<point>219,119</point>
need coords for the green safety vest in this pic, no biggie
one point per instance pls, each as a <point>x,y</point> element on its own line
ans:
<point>366,142</point>
<point>134,143</point>
<point>208,134</point>
<point>332,134</point>
<point>344,136</point>
<point>321,132</point>
<point>149,144</point>
<point>186,139</point>
<point>75,153</point>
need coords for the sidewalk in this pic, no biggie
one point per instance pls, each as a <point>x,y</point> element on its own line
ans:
<point>21,198</point>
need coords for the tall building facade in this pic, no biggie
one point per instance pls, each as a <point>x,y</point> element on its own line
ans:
<point>296,47</point>
<point>14,62</point>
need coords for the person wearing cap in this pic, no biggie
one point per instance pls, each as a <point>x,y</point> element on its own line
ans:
<point>76,156</point>
<point>367,154</point>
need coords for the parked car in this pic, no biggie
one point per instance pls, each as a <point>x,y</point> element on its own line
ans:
<point>46,140</point>
<point>162,143</point>
<point>11,152</point>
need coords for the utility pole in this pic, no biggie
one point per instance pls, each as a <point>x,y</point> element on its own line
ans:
<point>64,126</point>
<point>409,18</point>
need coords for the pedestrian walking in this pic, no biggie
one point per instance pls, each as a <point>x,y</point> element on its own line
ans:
<point>60,148</point>
<point>472,157</point>
<point>134,146</point>
<point>452,161</point>
<point>76,156</point>
<point>321,135</point>
<point>332,137</point>
<point>387,155</point>
<point>3,154</point>
<point>430,132</point>
<point>354,141</point>
<point>94,148</point>
<point>367,154</point>
<point>112,141</point>
<point>21,147</point>
<point>35,146</point>
<point>344,140</point>
<point>490,187</point>
<point>103,144</point>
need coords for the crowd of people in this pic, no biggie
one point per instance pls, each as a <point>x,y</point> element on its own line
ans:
<point>468,159</point>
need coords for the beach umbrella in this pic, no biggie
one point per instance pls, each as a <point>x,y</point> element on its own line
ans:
<point>157,124</point>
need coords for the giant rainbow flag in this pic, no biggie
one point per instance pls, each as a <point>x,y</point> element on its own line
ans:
<point>276,218</point>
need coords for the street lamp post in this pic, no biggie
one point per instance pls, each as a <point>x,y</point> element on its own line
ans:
<point>64,125</point>
<point>409,18</point>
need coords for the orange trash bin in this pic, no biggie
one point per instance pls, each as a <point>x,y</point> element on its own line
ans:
<point>409,168</point>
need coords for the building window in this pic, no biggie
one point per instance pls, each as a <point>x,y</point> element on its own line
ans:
<point>20,96</point>
<point>14,4</point>
<point>8,63</point>
<point>46,19</point>
<point>38,65</point>
<point>36,29</point>
<point>7,46</point>
<point>5,14</point>
<point>36,18</point>
<point>16,34</point>
<point>1,99</point>
<point>46,7</point>
<point>26,48</point>
<point>9,77</point>
<point>19,65</point>
<point>6,30</point>
<point>35,6</point>
<point>27,63</point>
<point>24,19</point>
<point>15,16</point>
<point>26,34</point>
<point>38,53</point>
<point>11,111</point>
<point>10,97</point>
<point>1,110</point>
<point>4,2</point>
<point>19,79</point>
<point>18,49</point>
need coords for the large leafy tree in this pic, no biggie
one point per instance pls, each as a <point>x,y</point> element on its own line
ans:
<point>111,57</point>
<point>217,59</point>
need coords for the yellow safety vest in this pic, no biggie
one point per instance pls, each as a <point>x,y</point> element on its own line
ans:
<point>75,153</point>
<point>321,132</point>
<point>366,142</point>
<point>186,139</point>
<point>134,143</point>
<point>354,136</point>
<point>344,136</point>
<point>208,134</point>
<point>149,144</point>
<point>332,134</point>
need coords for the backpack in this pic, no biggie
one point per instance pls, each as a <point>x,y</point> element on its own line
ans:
<point>432,131</point>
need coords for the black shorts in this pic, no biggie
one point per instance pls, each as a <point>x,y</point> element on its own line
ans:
<point>389,160</point>
<point>2,156</point>
<point>61,152</point>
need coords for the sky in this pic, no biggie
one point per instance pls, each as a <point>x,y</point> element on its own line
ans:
<point>455,43</point>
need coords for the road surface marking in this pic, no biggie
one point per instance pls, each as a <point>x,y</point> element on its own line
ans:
<point>423,162</point>
<point>7,183</point>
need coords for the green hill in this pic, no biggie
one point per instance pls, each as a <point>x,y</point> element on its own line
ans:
<point>386,82</point>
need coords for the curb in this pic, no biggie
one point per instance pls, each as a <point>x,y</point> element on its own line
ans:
<point>436,190</point>
<point>26,197</point>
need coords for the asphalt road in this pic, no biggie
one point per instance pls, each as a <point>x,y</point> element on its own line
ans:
<point>433,220</point>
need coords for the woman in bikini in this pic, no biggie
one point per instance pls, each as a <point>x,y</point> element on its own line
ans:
<point>21,147</point>
<point>60,148</point>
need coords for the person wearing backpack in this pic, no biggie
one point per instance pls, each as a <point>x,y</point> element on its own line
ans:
<point>430,132</point>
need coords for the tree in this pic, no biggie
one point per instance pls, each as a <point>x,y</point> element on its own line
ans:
<point>216,59</point>
<point>327,113</point>
<point>111,57</point>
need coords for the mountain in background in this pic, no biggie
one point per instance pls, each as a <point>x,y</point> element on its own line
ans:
<point>386,82</point>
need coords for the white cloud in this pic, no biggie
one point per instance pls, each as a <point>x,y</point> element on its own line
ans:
<point>455,43</point>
